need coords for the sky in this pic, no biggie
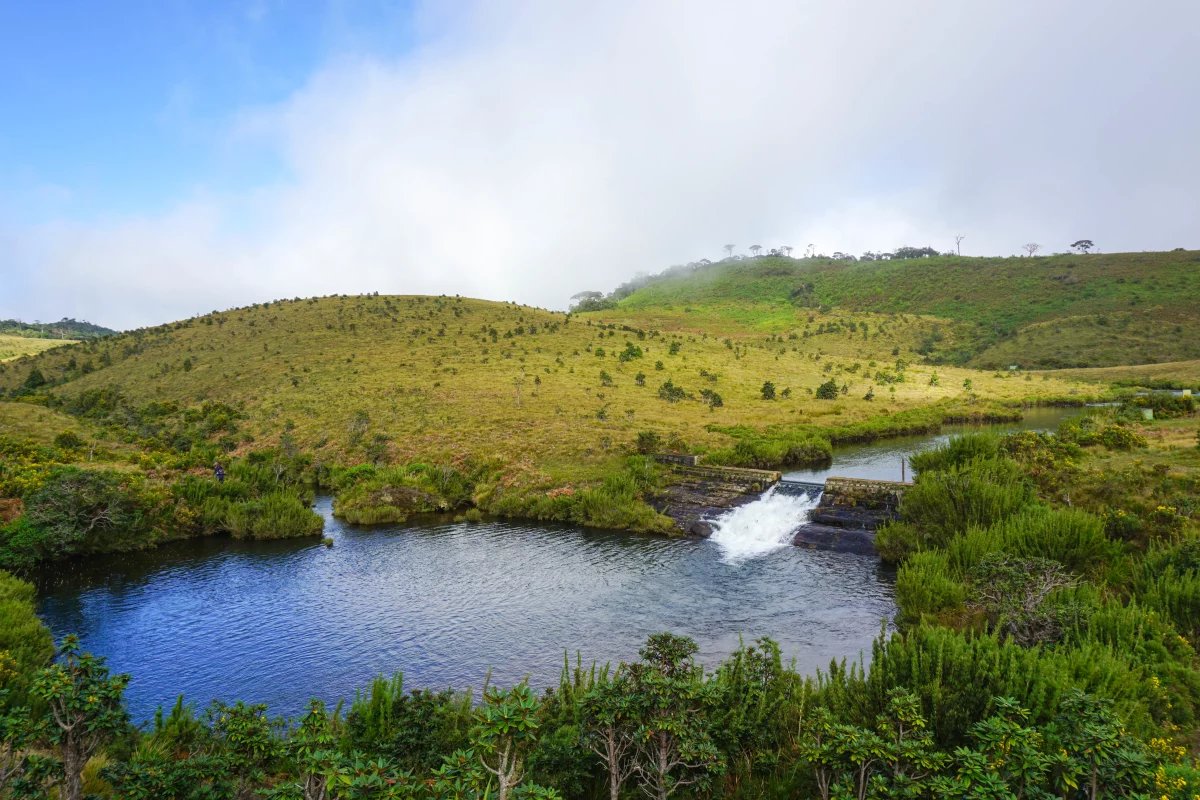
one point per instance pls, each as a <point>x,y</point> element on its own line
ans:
<point>166,158</point>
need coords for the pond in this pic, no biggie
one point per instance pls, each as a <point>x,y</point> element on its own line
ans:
<point>280,622</point>
<point>445,603</point>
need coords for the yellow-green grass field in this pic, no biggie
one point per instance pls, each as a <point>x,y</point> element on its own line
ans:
<point>1185,374</point>
<point>548,394</point>
<point>16,346</point>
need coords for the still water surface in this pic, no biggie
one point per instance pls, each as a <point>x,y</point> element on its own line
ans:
<point>280,622</point>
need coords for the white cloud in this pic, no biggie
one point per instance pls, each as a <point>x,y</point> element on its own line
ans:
<point>531,149</point>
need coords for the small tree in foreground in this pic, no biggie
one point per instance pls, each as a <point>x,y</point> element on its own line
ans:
<point>674,745</point>
<point>609,730</point>
<point>507,730</point>
<point>85,709</point>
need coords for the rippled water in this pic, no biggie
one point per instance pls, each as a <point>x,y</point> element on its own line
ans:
<point>279,622</point>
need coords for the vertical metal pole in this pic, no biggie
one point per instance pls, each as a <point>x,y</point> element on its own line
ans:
<point>903,464</point>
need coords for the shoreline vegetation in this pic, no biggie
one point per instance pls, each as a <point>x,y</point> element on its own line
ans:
<point>64,507</point>
<point>1045,646</point>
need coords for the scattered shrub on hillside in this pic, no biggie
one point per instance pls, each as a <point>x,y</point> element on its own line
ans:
<point>768,390</point>
<point>671,393</point>
<point>828,390</point>
<point>68,440</point>
<point>630,352</point>
<point>711,398</point>
<point>648,442</point>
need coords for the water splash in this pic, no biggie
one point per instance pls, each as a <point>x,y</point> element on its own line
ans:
<point>762,526</point>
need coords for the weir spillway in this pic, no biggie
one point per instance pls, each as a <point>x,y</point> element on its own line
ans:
<point>839,513</point>
<point>797,488</point>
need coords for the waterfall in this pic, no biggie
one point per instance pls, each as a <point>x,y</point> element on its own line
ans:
<point>762,526</point>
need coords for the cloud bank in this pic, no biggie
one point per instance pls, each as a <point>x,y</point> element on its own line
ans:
<point>527,150</point>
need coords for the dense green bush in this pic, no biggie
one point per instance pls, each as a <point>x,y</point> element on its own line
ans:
<point>957,452</point>
<point>827,390</point>
<point>78,511</point>
<point>1071,537</point>
<point>926,586</point>
<point>977,493</point>
<point>25,643</point>
<point>766,452</point>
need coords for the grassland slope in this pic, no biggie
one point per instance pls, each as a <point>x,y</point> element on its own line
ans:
<point>1045,312</point>
<point>16,346</point>
<point>558,396</point>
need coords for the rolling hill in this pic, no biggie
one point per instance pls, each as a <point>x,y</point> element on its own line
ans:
<point>555,397</point>
<point>65,328</point>
<point>1048,312</point>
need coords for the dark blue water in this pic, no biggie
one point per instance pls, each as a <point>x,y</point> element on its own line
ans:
<point>280,622</point>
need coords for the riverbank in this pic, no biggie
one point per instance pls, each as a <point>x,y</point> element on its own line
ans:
<point>265,493</point>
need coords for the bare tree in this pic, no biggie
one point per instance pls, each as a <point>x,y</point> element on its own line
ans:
<point>756,249</point>
<point>958,243</point>
<point>1031,248</point>
<point>729,250</point>
<point>808,253</point>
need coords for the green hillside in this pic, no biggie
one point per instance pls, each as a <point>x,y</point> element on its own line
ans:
<point>1046,312</point>
<point>451,378</point>
<point>65,328</point>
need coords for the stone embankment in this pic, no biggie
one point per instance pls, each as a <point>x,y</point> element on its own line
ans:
<point>850,511</point>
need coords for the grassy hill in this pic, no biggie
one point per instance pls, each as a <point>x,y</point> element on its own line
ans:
<point>16,346</point>
<point>1047,312</point>
<point>553,396</point>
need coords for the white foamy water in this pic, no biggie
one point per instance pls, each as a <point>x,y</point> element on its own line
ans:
<point>762,526</point>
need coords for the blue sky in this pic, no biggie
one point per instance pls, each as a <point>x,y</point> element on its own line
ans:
<point>165,159</point>
<point>113,108</point>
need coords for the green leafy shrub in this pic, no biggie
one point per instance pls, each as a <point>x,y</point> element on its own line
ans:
<point>828,390</point>
<point>671,393</point>
<point>979,493</point>
<point>926,587</point>
<point>957,452</point>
